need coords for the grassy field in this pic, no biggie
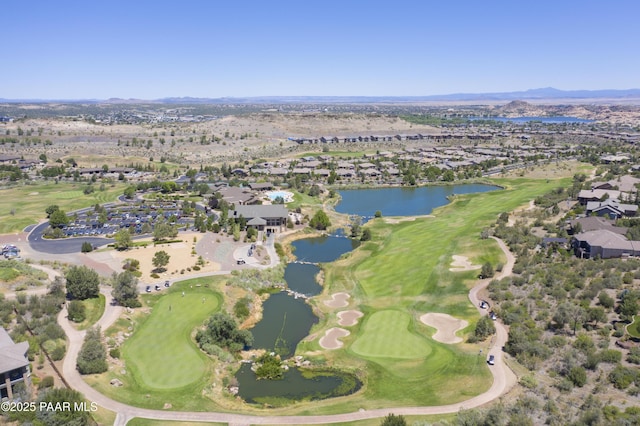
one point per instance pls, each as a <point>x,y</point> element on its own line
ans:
<point>24,205</point>
<point>165,340</point>
<point>386,334</point>
<point>94,308</point>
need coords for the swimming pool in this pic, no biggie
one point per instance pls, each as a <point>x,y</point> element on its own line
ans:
<point>285,195</point>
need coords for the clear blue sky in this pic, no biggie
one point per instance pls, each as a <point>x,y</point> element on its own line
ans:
<point>152,49</point>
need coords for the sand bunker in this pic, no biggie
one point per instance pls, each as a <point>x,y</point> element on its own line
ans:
<point>461,263</point>
<point>338,300</point>
<point>348,318</point>
<point>446,326</point>
<point>330,338</point>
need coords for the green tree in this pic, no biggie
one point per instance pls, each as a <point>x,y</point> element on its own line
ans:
<point>77,311</point>
<point>484,328</point>
<point>50,209</point>
<point>130,192</point>
<point>163,231</point>
<point>122,239</point>
<point>269,367</point>
<point>92,358</point>
<point>393,420</point>
<point>160,260</point>
<point>57,397</point>
<point>320,221</point>
<point>221,330</point>
<point>58,219</point>
<point>487,270</point>
<point>628,306</point>
<point>366,234</point>
<point>125,289</point>
<point>82,282</point>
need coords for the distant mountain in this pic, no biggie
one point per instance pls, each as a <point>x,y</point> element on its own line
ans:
<point>549,93</point>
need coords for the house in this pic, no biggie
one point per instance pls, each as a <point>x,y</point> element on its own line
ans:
<point>270,218</point>
<point>595,223</point>
<point>611,208</point>
<point>604,244</point>
<point>261,186</point>
<point>237,195</point>
<point>587,195</point>
<point>14,365</point>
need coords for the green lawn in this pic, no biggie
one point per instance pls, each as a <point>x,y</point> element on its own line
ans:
<point>160,353</point>
<point>24,205</point>
<point>94,309</point>
<point>386,334</point>
<point>634,328</point>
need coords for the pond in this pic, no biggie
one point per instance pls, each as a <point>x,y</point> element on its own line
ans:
<point>402,201</point>
<point>294,386</point>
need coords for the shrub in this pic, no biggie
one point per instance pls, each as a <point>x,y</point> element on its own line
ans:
<point>77,311</point>
<point>92,358</point>
<point>114,353</point>
<point>46,382</point>
<point>86,247</point>
<point>58,353</point>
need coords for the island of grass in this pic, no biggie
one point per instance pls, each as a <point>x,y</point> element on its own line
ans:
<point>401,274</point>
<point>634,328</point>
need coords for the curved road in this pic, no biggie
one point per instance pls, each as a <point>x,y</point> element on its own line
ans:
<point>62,245</point>
<point>504,378</point>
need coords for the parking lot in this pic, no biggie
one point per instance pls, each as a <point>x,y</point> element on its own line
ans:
<point>106,221</point>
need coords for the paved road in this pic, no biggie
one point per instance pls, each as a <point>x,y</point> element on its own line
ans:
<point>61,245</point>
<point>504,379</point>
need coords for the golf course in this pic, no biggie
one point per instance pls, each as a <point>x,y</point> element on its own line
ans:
<point>402,273</point>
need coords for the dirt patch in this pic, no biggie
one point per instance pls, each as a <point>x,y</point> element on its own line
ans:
<point>330,338</point>
<point>394,220</point>
<point>446,326</point>
<point>338,300</point>
<point>180,257</point>
<point>461,263</point>
<point>348,318</point>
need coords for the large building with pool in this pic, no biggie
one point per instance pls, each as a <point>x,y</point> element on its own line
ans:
<point>269,218</point>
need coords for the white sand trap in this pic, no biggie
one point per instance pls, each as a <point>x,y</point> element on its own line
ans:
<point>461,263</point>
<point>446,326</point>
<point>330,338</point>
<point>348,318</point>
<point>338,300</point>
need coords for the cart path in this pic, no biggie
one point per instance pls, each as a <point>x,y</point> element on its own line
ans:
<point>503,378</point>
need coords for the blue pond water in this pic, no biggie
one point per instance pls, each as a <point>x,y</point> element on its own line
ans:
<point>402,201</point>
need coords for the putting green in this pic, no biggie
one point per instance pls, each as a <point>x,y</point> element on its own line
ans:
<point>161,354</point>
<point>386,334</point>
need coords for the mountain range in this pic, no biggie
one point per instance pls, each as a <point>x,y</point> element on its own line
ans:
<point>547,93</point>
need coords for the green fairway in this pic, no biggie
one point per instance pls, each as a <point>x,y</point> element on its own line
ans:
<point>386,334</point>
<point>161,354</point>
<point>24,205</point>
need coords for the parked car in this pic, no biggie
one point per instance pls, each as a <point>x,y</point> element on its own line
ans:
<point>167,283</point>
<point>240,262</point>
<point>157,288</point>
<point>148,289</point>
<point>491,360</point>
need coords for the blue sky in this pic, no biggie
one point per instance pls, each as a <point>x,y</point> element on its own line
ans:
<point>152,49</point>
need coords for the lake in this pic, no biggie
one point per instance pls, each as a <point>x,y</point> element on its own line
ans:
<point>402,201</point>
